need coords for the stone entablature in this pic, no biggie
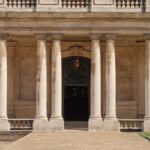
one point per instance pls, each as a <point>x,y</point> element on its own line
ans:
<point>75,5</point>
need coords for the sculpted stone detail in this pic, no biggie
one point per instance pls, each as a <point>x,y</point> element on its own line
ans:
<point>76,50</point>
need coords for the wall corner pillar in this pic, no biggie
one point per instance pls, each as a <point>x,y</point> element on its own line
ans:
<point>147,84</point>
<point>4,124</point>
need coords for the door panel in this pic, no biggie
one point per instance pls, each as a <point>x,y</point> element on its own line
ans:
<point>76,103</point>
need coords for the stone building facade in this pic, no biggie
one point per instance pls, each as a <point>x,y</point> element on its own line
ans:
<point>76,60</point>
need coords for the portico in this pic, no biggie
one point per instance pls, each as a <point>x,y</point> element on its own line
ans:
<point>100,59</point>
<point>56,120</point>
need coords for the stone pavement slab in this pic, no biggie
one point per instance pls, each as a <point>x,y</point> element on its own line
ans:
<point>80,140</point>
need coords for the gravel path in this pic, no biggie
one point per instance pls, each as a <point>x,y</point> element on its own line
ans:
<point>80,140</point>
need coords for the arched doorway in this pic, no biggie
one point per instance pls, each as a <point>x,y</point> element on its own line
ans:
<point>76,88</point>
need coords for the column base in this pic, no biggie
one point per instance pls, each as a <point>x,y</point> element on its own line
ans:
<point>56,124</point>
<point>111,124</point>
<point>95,123</point>
<point>4,125</point>
<point>147,124</point>
<point>40,124</point>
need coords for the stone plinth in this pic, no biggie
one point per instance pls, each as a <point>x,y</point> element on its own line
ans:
<point>56,124</point>
<point>40,124</point>
<point>4,125</point>
<point>111,124</point>
<point>95,124</point>
<point>147,124</point>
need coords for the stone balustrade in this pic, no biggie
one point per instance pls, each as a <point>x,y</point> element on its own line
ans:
<point>21,124</point>
<point>75,3</point>
<point>125,124</point>
<point>22,3</point>
<point>130,3</point>
<point>131,124</point>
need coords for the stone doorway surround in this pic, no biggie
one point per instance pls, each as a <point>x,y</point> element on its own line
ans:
<point>76,81</point>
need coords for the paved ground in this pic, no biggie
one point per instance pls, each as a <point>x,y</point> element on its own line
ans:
<point>6,138</point>
<point>3,145</point>
<point>80,140</point>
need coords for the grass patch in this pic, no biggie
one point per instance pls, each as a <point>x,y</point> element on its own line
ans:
<point>145,135</point>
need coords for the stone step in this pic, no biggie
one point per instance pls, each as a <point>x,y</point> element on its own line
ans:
<point>76,125</point>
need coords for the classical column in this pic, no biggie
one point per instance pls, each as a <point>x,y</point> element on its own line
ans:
<point>110,122</point>
<point>147,84</point>
<point>41,85</point>
<point>95,120</point>
<point>4,125</point>
<point>56,121</point>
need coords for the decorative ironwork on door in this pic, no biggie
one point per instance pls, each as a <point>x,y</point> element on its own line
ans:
<point>76,70</point>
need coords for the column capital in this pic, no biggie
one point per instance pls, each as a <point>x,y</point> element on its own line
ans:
<point>147,36</point>
<point>41,36</point>
<point>96,36</point>
<point>4,36</point>
<point>56,36</point>
<point>110,36</point>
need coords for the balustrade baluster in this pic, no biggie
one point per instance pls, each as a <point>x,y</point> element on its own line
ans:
<point>140,3</point>
<point>77,4</point>
<point>136,4</point>
<point>67,3</point>
<point>132,3</point>
<point>83,3</point>
<point>23,3</point>
<point>35,3</point>
<point>123,3</point>
<point>17,3</point>
<point>128,4</point>
<point>8,3</point>
<point>126,125</point>
<point>119,3</point>
<point>28,3</point>
<point>14,3</point>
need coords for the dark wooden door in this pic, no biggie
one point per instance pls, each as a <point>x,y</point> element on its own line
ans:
<point>76,103</point>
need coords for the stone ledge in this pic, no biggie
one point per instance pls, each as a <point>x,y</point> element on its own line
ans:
<point>147,125</point>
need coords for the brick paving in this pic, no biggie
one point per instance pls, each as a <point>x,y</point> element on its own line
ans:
<point>80,140</point>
